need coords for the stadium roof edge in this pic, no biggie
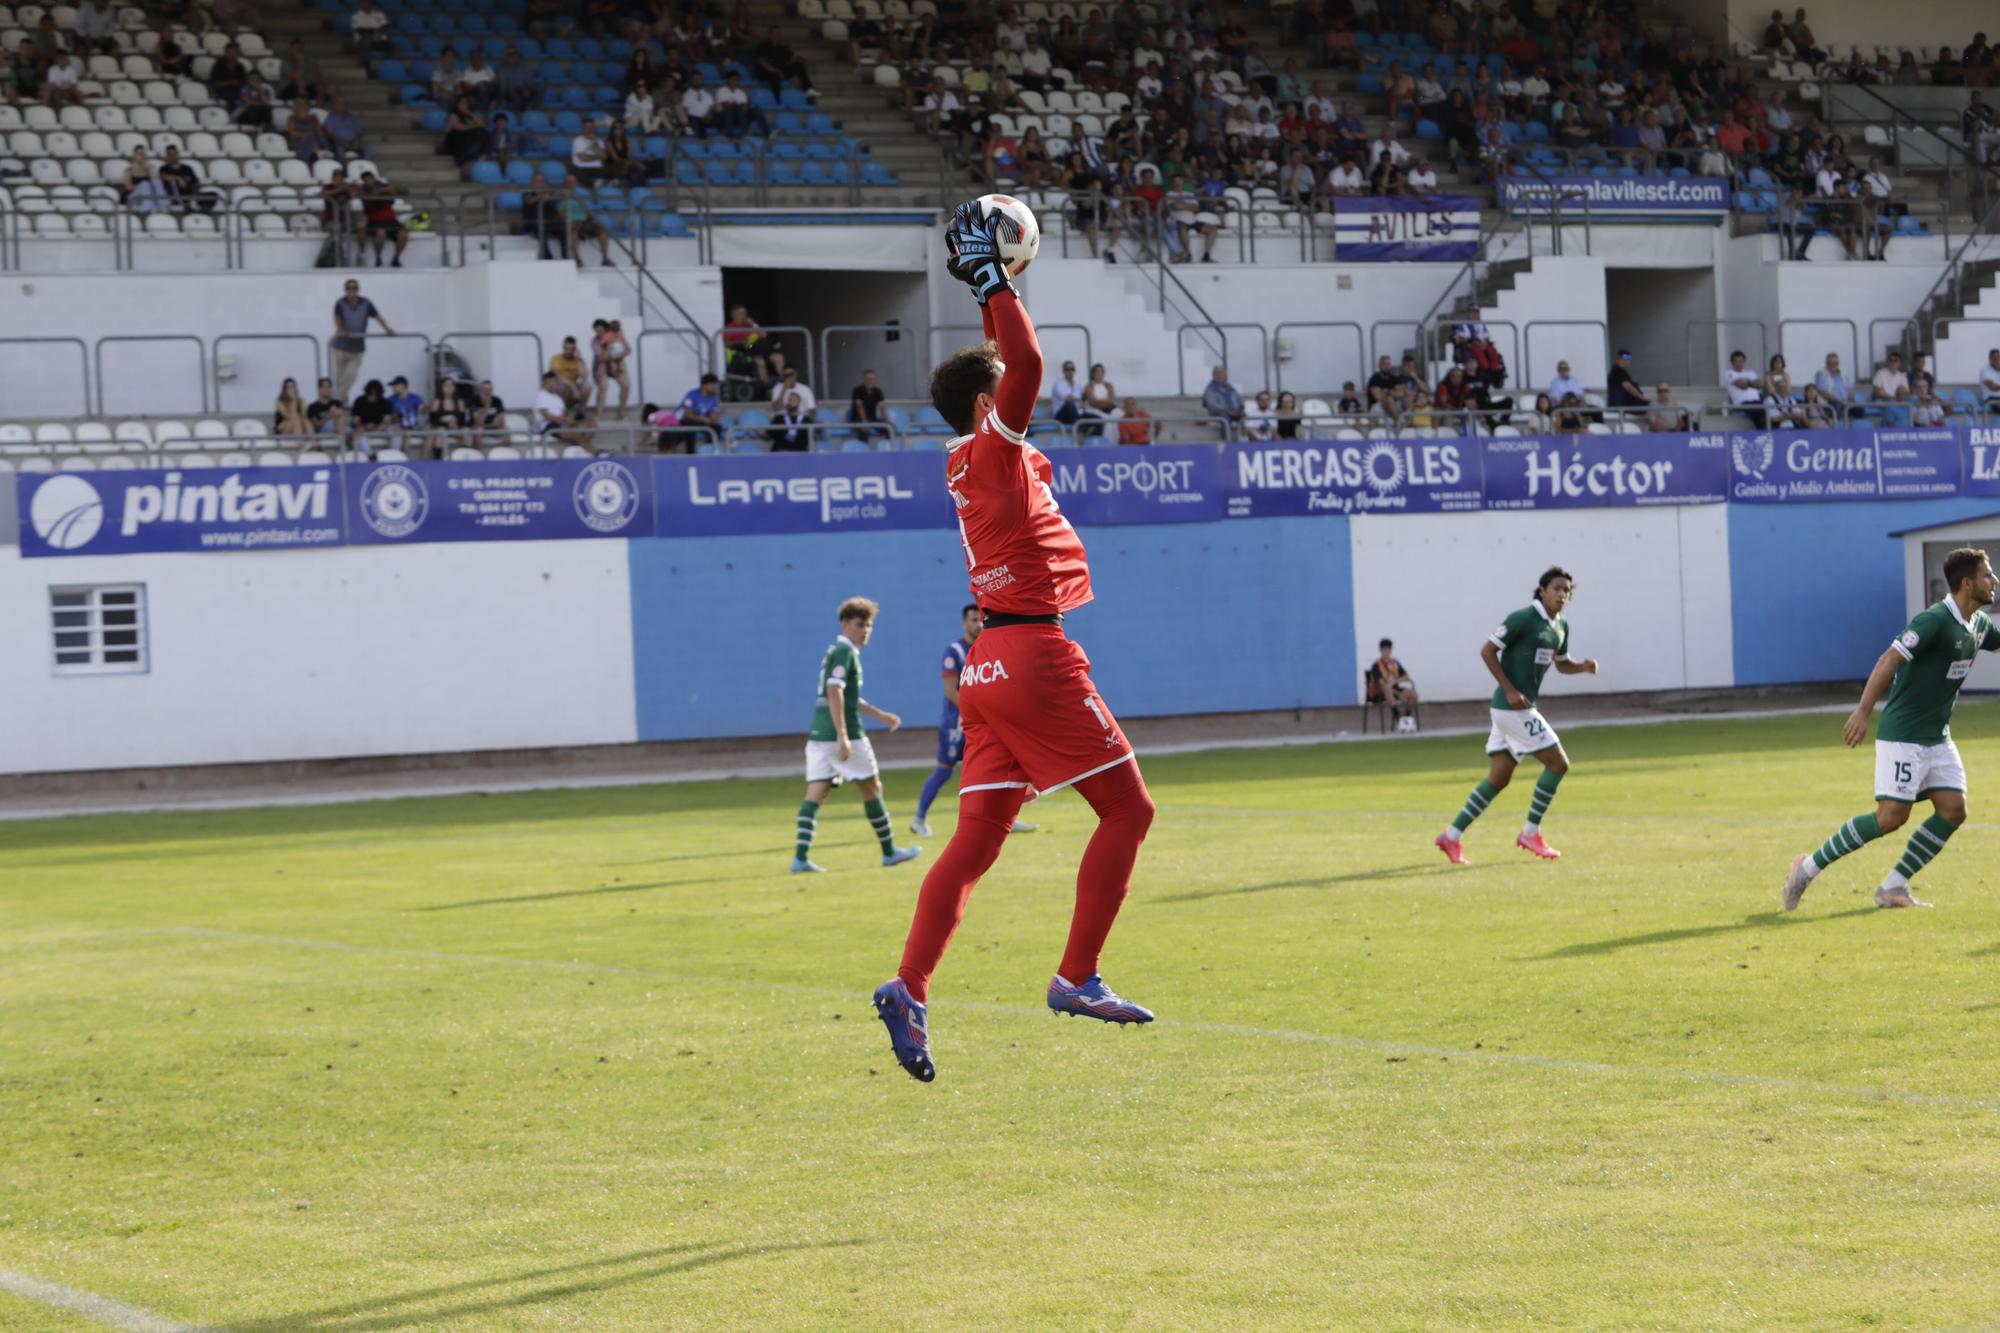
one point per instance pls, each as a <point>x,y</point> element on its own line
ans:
<point>1950,523</point>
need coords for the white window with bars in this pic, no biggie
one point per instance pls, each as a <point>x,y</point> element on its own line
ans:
<point>98,629</point>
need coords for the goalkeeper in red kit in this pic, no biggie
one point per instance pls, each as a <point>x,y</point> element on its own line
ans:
<point>1034,722</point>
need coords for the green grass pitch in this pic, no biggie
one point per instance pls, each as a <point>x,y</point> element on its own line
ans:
<point>592,1060</point>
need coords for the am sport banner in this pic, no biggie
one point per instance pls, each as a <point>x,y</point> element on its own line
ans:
<point>1428,228</point>
<point>1668,198</point>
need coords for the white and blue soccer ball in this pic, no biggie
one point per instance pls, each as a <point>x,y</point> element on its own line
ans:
<point>1019,235</point>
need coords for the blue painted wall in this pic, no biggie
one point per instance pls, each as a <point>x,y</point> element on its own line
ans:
<point>1195,618</point>
<point>1816,591</point>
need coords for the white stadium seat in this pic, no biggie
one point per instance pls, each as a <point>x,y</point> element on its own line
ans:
<point>35,464</point>
<point>134,432</point>
<point>248,428</point>
<point>274,458</point>
<point>194,460</point>
<point>463,454</point>
<point>118,463</point>
<point>237,459</point>
<point>314,458</point>
<point>77,463</point>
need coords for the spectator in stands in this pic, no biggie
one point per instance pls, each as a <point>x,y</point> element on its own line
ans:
<point>865,408</point>
<point>59,82</point>
<point>1542,421</point>
<point>1421,179</point>
<point>1666,416</point>
<point>92,26</point>
<point>1382,388</point>
<point>302,77</point>
<point>1925,407</point>
<point>288,417</point>
<point>516,77</point>
<point>1386,146</point>
<point>226,77</point>
<point>698,105</point>
<point>552,408</point>
<point>1565,385</point>
<point>303,134</point>
<point>1097,402</point>
<point>1066,396</point>
<point>1989,380</point>
<point>445,76</point>
<point>138,170</point>
<point>1571,418</point>
<point>1803,45</point>
<point>1890,384</point>
<point>254,104</point>
<point>699,418</point>
<point>352,314</point>
<point>407,407</point>
<point>1832,385</point>
<point>183,185</point>
<point>1389,684</point>
<point>370,28</point>
<point>1135,423</point>
<point>1776,40</point>
<point>343,131</point>
<point>1220,399</point>
<point>586,156</point>
<point>1346,178</point>
<point>1795,224</point>
<point>379,221</point>
<point>374,420</point>
<point>789,383</point>
<point>791,426</point>
<point>1350,402</point>
<point>326,414</point>
<point>1289,419</point>
<point>1815,411</point>
<point>641,116</point>
<point>480,80</point>
<point>1781,404</point>
<point>1624,390</point>
<point>466,137</point>
<point>1744,385</point>
<point>1260,422</point>
<point>448,416</point>
<point>777,64</point>
<point>571,375</point>
<point>1877,204</point>
<point>488,410</point>
<point>733,110</point>
<point>748,348</point>
<point>1920,374</point>
<point>1980,126</point>
<point>1297,182</point>
<point>621,163</point>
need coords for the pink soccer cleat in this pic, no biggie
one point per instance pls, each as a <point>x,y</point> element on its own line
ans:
<point>1534,842</point>
<point>1453,849</point>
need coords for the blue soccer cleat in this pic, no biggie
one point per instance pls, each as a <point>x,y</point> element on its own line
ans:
<point>909,1029</point>
<point>900,855</point>
<point>1094,999</point>
<point>801,866</point>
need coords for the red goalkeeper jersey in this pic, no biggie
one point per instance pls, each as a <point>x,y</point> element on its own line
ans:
<point>1023,556</point>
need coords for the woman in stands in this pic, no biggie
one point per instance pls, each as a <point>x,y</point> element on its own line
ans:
<point>465,134</point>
<point>1542,420</point>
<point>139,169</point>
<point>608,351</point>
<point>1034,160</point>
<point>1099,402</point>
<point>639,72</point>
<point>1086,203</point>
<point>620,163</point>
<point>1288,416</point>
<point>289,417</point>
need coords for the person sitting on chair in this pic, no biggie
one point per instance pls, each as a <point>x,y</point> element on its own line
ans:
<point>1390,685</point>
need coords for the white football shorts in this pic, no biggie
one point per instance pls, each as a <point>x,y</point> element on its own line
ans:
<point>824,764</point>
<point>1908,773</point>
<point>1520,733</point>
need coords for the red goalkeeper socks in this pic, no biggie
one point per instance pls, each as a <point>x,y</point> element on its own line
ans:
<point>1124,813</point>
<point>984,817</point>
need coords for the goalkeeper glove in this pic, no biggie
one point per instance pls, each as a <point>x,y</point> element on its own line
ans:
<point>975,254</point>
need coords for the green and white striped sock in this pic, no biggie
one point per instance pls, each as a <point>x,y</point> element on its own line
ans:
<point>808,825</point>
<point>1926,841</point>
<point>1545,791</point>
<point>878,816</point>
<point>1475,806</point>
<point>1852,836</point>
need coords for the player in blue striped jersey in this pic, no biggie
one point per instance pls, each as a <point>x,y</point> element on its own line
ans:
<point>951,736</point>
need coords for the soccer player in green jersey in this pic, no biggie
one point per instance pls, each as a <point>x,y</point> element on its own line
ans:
<point>838,748</point>
<point>1914,755</point>
<point>1519,654</point>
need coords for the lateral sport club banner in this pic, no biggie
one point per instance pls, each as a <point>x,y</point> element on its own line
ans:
<point>250,509</point>
<point>1683,198</point>
<point>1429,228</point>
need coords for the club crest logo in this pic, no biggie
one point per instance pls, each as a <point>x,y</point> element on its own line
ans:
<point>1754,453</point>
<point>394,500</point>
<point>607,496</point>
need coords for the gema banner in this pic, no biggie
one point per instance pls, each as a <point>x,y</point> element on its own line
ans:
<point>1425,228</point>
<point>1688,198</point>
<point>251,509</point>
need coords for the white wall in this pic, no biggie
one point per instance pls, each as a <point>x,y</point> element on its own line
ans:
<point>1962,348</point>
<point>551,299</point>
<point>1566,288</point>
<point>303,654</point>
<point>1652,604</point>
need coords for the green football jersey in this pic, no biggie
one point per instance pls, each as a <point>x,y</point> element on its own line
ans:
<point>1529,641</point>
<point>841,666</point>
<point>1937,650</point>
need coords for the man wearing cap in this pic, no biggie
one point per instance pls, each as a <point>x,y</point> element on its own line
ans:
<point>1066,396</point>
<point>1624,391</point>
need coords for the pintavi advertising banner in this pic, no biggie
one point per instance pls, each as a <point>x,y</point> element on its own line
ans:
<point>192,509</point>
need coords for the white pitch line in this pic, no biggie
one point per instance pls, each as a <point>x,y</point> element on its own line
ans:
<point>89,1305</point>
<point>153,803</point>
<point>1341,1041</point>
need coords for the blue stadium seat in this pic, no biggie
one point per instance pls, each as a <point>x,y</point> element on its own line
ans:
<point>818,122</point>
<point>412,93</point>
<point>391,71</point>
<point>486,172</point>
<point>552,71</point>
<point>1369,84</point>
<point>520,173</point>
<point>874,173</point>
<point>434,120</point>
<point>536,121</point>
<point>794,100</point>
<point>420,69</point>
<point>553,172</point>
<point>508,201</point>
<point>558,48</point>
<point>697,149</point>
<point>786,122</point>
<point>473,25</point>
<point>782,171</point>
<point>1429,129</point>
<point>569,122</point>
<point>761,98</point>
<point>589,48</point>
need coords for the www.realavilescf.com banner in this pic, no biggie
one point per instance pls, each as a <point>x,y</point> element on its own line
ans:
<point>1672,198</point>
<point>249,509</point>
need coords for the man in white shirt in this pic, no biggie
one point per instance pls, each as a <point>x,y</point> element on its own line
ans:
<point>732,107</point>
<point>790,383</point>
<point>1035,65</point>
<point>1535,88</point>
<point>370,27</point>
<point>699,104</point>
<point>1010,36</point>
<point>1421,180</point>
<point>1890,384</point>
<point>551,408</point>
<point>1564,384</point>
<point>1385,144</point>
<point>1318,106</point>
<point>586,154</point>
<point>479,79</point>
<point>1745,385</point>
<point>1875,194</point>
<point>1989,379</point>
<point>1430,93</point>
<point>1775,115</point>
<point>1347,178</point>
<point>940,108</point>
<point>1261,421</point>
<point>1066,396</point>
<point>59,82</point>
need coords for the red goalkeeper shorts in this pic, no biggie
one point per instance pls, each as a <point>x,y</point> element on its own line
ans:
<point>1032,715</point>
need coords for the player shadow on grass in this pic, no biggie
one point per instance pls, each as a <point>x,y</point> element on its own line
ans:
<point>377,1313</point>
<point>556,894</point>
<point>1755,921</point>
<point>1421,871</point>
